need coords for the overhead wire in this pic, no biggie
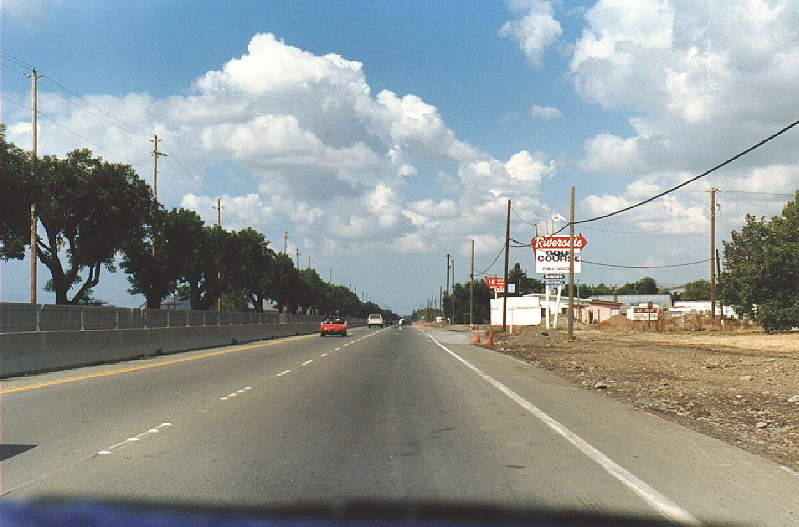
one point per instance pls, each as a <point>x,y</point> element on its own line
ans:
<point>645,266</point>
<point>690,180</point>
<point>494,261</point>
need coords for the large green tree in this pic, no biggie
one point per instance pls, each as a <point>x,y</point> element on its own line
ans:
<point>89,209</point>
<point>16,197</point>
<point>284,283</point>
<point>251,264</point>
<point>161,252</point>
<point>761,269</point>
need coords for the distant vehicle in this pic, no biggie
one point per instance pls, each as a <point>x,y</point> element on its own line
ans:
<point>375,320</point>
<point>333,326</point>
<point>401,322</point>
<point>405,322</point>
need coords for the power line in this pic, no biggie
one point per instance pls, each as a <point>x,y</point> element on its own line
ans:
<point>651,233</point>
<point>756,193</point>
<point>484,271</point>
<point>691,180</point>
<point>14,68</point>
<point>68,129</point>
<point>646,266</point>
<point>6,55</point>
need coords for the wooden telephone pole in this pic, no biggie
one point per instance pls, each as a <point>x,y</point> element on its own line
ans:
<point>34,77</point>
<point>219,273</point>
<point>713,191</point>
<point>505,295</point>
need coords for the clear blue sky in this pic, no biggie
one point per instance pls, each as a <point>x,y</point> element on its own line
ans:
<point>515,100</point>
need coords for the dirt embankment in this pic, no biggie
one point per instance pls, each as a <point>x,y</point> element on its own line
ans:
<point>741,388</point>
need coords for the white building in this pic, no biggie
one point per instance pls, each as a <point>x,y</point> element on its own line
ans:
<point>530,310</point>
<point>700,307</point>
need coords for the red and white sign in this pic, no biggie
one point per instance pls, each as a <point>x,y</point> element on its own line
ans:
<point>558,242</point>
<point>552,253</point>
<point>496,283</point>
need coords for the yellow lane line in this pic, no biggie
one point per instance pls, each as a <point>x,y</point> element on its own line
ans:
<point>155,365</point>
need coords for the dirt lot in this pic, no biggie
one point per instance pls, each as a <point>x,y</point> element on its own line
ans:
<point>741,388</point>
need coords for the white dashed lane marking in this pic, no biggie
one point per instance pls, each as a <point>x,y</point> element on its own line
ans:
<point>282,373</point>
<point>236,393</point>
<point>306,363</point>
<point>323,355</point>
<point>133,439</point>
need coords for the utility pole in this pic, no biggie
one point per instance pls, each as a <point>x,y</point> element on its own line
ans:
<point>330,276</point>
<point>713,252</point>
<point>571,265</point>
<point>453,291</point>
<point>309,261</point>
<point>441,299</point>
<point>718,278</point>
<point>285,242</point>
<point>471,289</point>
<point>34,77</point>
<point>443,310</point>
<point>505,295</point>
<point>219,273</point>
<point>156,154</point>
<point>218,212</point>
<point>297,256</point>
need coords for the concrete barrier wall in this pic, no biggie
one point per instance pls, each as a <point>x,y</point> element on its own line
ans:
<point>36,351</point>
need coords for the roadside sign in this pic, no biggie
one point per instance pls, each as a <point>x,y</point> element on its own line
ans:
<point>557,242</point>
<point>643,313</point>
<point>554,282</point>
<point>551,254</point>
<point>554,276</point>
<point>496,283</point>
<point>549,260</point>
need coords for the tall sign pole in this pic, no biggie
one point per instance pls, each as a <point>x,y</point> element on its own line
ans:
<point>471,289</point>
<point>571,266</point>
<point>34,149</point>
<point>505,296</point>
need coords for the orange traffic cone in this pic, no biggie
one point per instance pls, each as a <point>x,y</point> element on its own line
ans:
<point>490,341</point>
<point>476,337</point>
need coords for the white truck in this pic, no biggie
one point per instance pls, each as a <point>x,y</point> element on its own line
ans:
<point>375,320</point>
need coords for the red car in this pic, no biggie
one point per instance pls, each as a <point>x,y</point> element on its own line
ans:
<point>333,326</point>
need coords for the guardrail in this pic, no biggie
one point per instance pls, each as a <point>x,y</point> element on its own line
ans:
<point>42,337</point>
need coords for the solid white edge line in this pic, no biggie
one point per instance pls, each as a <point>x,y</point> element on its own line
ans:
<point>655,499</point>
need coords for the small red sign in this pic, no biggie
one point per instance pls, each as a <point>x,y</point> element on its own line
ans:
<point>495,282</point>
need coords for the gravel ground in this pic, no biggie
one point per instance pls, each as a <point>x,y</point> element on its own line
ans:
<point>743,389</point>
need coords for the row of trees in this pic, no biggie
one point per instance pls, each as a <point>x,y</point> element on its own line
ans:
<point>99,215</point>
<point>760,278</point>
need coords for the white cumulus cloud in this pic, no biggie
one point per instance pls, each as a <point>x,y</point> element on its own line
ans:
<point>535,31</point>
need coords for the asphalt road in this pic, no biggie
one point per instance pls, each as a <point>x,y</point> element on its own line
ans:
<point>399,414</point>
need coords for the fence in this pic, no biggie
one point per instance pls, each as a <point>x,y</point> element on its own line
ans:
<point>17,317</point>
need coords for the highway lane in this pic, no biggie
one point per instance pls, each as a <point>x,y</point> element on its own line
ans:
<point>398,414</point>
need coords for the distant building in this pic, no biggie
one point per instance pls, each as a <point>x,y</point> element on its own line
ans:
<point>662,301</point>
<point>700,307</point>
<point>531,309</point>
